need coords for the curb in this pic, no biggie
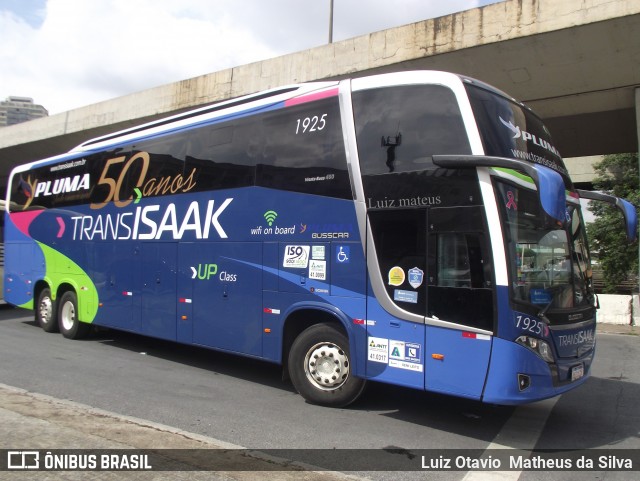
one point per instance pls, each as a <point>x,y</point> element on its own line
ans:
<point>40,422</point>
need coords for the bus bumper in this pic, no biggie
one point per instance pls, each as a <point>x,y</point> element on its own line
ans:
<point>518,376</point>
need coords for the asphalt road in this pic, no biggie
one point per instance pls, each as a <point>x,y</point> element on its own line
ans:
<point>245,402</point>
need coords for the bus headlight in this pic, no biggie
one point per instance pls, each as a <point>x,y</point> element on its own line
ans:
<point>541,348</point>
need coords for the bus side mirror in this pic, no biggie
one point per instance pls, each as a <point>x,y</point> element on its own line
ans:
<point>628,210</point>
<point>550,184</point>
<point>551,191</point>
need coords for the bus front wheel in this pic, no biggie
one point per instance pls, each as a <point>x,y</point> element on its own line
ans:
<point>46,314</point>
<point>320,367</point>
<point>70,326</point>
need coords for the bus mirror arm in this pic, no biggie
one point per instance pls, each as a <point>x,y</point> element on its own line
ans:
<point>626,207</point>
<point>543,313</point>
<point>550,184</point>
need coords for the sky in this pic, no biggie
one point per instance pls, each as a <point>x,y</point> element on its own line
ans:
<point>67,54</point>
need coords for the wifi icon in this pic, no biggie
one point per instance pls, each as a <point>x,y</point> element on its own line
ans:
<point>270,216</point>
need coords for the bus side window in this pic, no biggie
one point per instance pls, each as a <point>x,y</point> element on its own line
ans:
<point>217,156</point>
<point>459,268</point>
<point>304,150</point>
<point>399,236</point>
<point>460,261</point>
<point>414,121</point>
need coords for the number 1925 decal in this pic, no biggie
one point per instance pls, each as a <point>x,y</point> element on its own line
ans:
<point>532,325</point>
<point>311,124</point>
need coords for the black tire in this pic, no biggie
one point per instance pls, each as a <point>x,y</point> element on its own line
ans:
<point>46,312</point>
<point>70,326</point>
<point>320,367</point>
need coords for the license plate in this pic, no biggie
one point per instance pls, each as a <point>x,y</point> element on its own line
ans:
<point>577,372</point>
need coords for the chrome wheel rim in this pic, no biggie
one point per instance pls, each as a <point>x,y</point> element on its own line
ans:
<point>45,311</point>
<point>68,316</point>
<point>326,366</point>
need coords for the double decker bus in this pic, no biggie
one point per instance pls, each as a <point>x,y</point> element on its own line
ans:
<point>416,228</point>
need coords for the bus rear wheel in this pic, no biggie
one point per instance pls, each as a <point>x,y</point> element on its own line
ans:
<point>46,313</point>
<point>70,326</point>
<point>320,367</point>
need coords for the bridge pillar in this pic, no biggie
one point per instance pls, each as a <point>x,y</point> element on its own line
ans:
<point>638,117</point>
<point>637,103</point>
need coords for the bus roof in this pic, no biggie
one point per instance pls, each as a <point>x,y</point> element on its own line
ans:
<point>235,106</point>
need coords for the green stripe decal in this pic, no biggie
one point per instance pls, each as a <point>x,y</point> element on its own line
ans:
<point>515,173</point>
<point>62,270</point>
<point>523,177</point>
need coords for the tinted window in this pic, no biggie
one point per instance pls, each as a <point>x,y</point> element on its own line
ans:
<point>510,130</point>
<point>459,268</point>
<point>436,262</point>
<point>400,240</point>
<point>69,182</point>
<point>400,128</point>
<point>221,154</point>
<point>301,149</point>
<point>297,148</point>
<point>459,260</point>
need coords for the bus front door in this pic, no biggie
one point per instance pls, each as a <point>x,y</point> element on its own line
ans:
<point>460,310</point>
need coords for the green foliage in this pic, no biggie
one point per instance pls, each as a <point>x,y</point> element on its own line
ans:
<point>616,175</point>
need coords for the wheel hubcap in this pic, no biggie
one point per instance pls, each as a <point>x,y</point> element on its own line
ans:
<point>46,310</point>
<point>327,366</point>
<point>68,314</point>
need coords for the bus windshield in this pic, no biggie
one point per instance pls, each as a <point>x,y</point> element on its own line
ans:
<point>509,129</point>
<point>548,264</point>
<point>549,267</point>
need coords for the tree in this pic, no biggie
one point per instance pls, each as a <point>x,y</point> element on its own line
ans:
<point>615,175</point>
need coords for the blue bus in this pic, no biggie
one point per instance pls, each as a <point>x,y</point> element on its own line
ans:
<point>415,228</point>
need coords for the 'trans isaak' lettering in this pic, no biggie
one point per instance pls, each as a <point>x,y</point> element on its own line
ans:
<point>149,222</point>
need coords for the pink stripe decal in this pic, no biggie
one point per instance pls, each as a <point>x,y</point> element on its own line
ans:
<point>312,97</point>
<point>23,220</point>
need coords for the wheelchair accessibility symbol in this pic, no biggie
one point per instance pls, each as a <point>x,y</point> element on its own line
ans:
<point>343,254</point>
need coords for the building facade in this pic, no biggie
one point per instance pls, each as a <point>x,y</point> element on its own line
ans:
<point>15,110</point>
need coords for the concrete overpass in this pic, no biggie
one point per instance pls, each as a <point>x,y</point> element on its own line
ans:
<point>576,62</point>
